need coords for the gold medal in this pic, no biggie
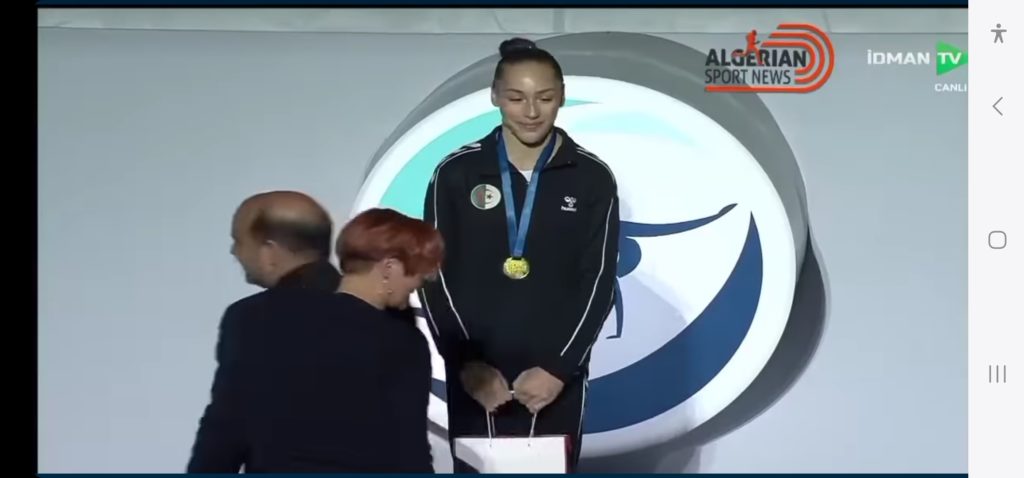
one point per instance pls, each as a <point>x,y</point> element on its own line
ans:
<point>516,268</point>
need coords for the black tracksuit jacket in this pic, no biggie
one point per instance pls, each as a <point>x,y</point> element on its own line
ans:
<point>551,318</point>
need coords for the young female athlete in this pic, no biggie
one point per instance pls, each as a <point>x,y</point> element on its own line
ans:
<point>530,221</point>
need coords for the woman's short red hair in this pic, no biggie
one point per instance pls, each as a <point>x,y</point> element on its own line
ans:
<point>378,234</point>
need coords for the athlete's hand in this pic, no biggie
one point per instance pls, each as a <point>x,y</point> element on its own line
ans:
<point>536,388</point>
<point>486,385</point>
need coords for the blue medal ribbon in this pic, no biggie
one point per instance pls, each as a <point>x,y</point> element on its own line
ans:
<point>517,231</point>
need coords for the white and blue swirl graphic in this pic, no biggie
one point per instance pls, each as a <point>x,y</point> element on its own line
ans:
<point>706,268</point>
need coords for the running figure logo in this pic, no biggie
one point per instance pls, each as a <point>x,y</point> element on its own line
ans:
<point>752,48</point>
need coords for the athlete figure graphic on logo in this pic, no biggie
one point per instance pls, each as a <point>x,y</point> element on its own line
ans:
<point>752,48</point>
<point>530,276</point>
<point>630,252</point>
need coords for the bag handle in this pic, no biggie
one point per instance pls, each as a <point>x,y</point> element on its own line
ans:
<point>492,430</point>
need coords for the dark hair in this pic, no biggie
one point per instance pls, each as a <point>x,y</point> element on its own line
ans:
<point>378,234</point>
<point>306,235</point>
<point>520,50</point>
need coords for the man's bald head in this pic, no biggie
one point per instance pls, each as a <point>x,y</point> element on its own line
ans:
<point>291,219</point>
<point>276,231</point>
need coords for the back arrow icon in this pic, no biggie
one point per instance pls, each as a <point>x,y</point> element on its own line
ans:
<point>996,103</point>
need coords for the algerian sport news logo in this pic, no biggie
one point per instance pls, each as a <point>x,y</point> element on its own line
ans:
<point>948,58</point>
<point>796,58</point>
<point>707,265</point>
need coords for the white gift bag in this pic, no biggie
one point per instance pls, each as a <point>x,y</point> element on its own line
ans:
<point>497,454</point>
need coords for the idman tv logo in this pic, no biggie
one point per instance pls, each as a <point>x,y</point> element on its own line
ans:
<point>948,59</point>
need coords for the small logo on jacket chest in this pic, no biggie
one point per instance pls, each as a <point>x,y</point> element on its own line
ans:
<point>570,204</point>
<point>485,197</point>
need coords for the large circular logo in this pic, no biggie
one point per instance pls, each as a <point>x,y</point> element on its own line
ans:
<point>707,264</point>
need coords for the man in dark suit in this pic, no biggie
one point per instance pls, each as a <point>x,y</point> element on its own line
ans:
<point>282,240</point>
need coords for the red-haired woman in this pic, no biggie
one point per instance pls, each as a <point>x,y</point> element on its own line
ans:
<point>385,256</point>
<point>325,382</point>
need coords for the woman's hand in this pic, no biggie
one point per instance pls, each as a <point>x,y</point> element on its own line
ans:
<point>486,385</point>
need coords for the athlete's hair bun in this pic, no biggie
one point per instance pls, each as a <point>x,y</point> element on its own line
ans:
<point>514,45</point>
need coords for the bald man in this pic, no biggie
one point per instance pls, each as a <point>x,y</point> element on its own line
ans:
<point>283,239</point>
